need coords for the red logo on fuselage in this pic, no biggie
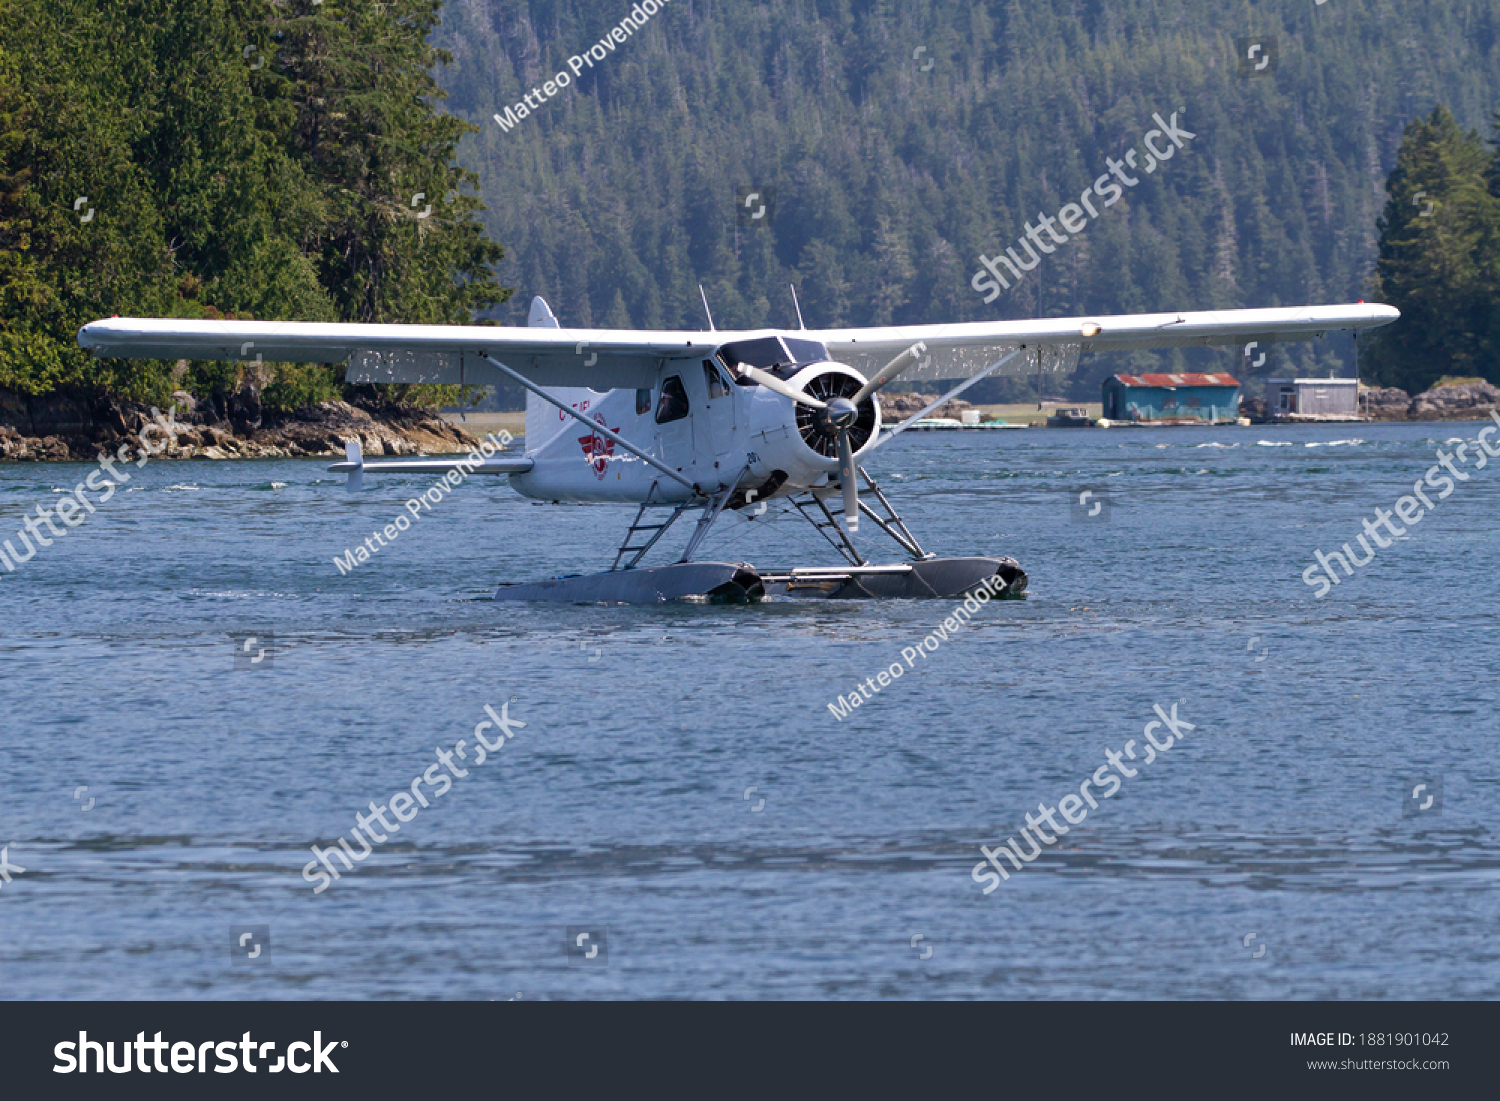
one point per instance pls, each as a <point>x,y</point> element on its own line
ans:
<point>597,449</point>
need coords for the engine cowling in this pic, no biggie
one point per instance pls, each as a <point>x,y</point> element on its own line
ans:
<point>800,442</point>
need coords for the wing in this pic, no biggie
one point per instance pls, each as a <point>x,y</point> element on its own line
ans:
<point>955,351</point>
<point>603,359</point>
<point>615,359</point>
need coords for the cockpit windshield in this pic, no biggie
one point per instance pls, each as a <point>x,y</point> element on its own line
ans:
<point>770,353</point>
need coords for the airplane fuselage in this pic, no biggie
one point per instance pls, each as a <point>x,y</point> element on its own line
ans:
<point>698,421</point>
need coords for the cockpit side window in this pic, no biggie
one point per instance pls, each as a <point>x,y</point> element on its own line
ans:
<point>673,403</point>
<point>642,402</point>
<point>714,381</point>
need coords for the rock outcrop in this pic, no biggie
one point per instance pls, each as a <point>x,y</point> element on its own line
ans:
<point>1465,401</point>
<point>1460,402</point>
<point>78,425</point>
<point>1384,403</point>
<point>897,406</point>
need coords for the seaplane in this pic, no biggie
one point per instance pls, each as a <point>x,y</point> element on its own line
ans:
<point>696,423</point>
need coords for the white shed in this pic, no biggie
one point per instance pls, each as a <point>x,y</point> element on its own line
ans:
<point>1312,398</point>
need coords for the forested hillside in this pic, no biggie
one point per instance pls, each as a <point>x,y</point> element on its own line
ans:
<point>203,158</point>
<point>284,159</point>
<point>903,140</point>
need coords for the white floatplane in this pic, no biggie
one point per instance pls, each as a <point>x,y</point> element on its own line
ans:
<point>679,421</point>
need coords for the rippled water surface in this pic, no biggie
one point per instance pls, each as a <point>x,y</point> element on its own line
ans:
<point>630,806</point>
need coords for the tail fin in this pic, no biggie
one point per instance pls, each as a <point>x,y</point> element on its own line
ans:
<point>541,315</point>
<point>538,428</point>
<point>543,422</point>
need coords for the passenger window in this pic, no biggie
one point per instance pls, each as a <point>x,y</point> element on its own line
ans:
<point>714,381</point>
<point>673,403</point>
<point>642,402</point>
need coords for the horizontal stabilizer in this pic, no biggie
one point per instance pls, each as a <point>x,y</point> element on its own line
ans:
<point>436,466</point>
<point>355,466</point>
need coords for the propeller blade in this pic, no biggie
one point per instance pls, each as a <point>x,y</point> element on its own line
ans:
<point>771,382</point>
<point>890,371</point>
<point>846,476</point>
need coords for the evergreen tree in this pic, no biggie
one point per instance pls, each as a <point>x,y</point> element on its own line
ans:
<point>214,158</point>
<point>1439,259</point>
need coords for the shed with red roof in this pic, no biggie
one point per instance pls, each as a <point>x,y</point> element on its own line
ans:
<point>1172,399</point>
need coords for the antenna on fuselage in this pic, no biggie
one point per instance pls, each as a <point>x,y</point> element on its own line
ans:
<point>795,306</point>
<point>706,309</point>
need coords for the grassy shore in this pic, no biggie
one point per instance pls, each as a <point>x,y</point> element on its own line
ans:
<point>1026,413</point>
<point>481,424</point>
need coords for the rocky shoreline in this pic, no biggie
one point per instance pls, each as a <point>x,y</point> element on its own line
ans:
<point>1454,402</point>
<point>1466,401</point>
<point>898,405</point>
<point>79,425</point>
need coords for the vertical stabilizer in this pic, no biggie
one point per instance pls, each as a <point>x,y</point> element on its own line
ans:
<point>543,422</point>
<point>541,418</point>
<point>541,315</point>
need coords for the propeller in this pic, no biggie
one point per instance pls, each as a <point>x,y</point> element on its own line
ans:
<point>838,416</point>
<point>771,382</point>
<point>889,372</point>
<point>846,477</point>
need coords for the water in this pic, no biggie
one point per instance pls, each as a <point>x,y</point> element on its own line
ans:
<point>624,806</point>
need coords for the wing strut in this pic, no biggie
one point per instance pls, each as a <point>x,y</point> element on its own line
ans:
<point>711,512</point>
<point>598,428</point>
<point>949,396</point>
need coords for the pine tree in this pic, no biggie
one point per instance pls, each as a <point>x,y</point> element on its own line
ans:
<point>1439,242</point>
<point>225,158</point>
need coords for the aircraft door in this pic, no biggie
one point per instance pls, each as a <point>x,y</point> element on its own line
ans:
<point>674,423</point>
<point>720,418</point>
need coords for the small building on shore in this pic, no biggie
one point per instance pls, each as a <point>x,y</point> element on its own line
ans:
<point>1171,399</point>
<point>1312,399</point>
